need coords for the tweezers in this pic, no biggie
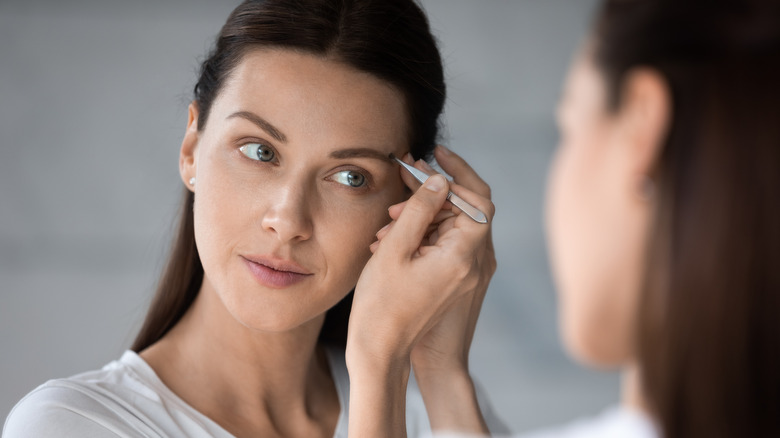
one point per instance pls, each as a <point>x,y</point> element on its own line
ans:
<point>456,200</point>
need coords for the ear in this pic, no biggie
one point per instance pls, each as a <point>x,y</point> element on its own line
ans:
<point>188,157</point>
<point>644,115</point>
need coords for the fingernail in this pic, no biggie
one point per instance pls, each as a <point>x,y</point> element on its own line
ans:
<point>435,183</point>
<point>444,150</point>
<point>425,165</point>
<point>408,158</point>
<point>383,228</point>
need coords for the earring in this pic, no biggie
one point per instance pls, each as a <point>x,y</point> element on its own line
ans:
<point>192,181</point>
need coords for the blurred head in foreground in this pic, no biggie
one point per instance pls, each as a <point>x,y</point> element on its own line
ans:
<point>663,209</point>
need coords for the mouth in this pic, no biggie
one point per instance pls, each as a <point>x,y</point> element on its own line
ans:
<point>275,273</point>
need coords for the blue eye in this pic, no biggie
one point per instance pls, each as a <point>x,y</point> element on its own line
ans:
<point>258,151</point>
<point>350,178</point>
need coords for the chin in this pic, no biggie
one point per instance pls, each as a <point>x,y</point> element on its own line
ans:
<point>594,348</point>
<point>272,318</point>
<point>273,325</point>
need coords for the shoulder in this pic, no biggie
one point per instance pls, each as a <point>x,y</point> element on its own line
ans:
<point>57,408</point>
<point>615,422</point>
<point>100,403</point>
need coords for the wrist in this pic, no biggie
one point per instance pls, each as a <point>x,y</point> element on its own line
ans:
<point>442,372</point>
<point>377,405</point>
<point>451,400</point>
<point>370,350</point>
<point>430,362</point>
<point>364,359</point>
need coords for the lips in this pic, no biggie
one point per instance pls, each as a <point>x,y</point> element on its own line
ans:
<point>275,273</point>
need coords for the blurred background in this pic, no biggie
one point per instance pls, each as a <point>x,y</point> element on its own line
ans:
<point>93,97</point>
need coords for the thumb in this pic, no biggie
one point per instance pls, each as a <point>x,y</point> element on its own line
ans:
<point>420,210</point>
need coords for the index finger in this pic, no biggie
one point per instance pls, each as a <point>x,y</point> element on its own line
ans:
<point>419,212</point>
<point>462,173</point>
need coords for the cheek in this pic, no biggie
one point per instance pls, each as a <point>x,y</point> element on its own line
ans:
<point>349,226</point>
<point>569,221</point>
<point>347,230</point>
<point>228,214</point>
<point>585,254</point>
<point>218,227</point>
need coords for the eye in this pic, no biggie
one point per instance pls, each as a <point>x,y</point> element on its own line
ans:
<point>350,178</point>
<point>258,151</point>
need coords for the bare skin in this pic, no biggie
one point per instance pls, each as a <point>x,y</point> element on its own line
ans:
<point>416,305</point>
<point>246,353</point>
<point>597,191</point>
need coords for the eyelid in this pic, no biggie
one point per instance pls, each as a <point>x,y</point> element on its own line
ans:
<point>243,143</point>
<point>255,140</point>
<point>369,179</point>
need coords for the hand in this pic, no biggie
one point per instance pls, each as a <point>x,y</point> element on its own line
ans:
<point>419,295</point>
<point>445,347</point>
<point>431,267</point>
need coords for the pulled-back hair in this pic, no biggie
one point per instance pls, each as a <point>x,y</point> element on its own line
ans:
<point>389,39</point>
<point>709,319</point>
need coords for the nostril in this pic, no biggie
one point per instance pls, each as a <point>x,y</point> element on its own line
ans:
<point>289,224</point>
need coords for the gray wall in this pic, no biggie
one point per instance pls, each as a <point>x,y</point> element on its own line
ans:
<point>92,108</point>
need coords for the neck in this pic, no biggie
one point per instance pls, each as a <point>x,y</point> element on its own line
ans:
<point>632,393</point>
<point>234,374</point>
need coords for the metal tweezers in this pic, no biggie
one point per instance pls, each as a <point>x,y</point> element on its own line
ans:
<point>456,200</point>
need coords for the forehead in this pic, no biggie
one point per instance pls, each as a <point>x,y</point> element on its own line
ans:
<point>309,96</point>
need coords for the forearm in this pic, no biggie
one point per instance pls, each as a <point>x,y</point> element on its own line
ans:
<point>451,401</point>
<point>377,406</point>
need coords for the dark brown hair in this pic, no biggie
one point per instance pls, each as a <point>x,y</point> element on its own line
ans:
<point>389,39</point>
<point>709,322</point>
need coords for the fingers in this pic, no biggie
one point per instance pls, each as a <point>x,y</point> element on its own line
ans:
<point>383,231</point>
<point>440,225</point>
<point>405,236</point>
<point>445,213</point>
<point>460,171</point>
<point>466,182</point>
<point>409,180</point>
<point>407,177</point>
<point>482,203</point>
<point>474,191</point>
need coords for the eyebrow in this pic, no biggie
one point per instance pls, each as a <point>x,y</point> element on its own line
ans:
<point>339,154</point>
<point>360,153</point>
<point>261,123</point>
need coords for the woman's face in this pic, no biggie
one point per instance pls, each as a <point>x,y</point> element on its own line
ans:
<point>596,221</point>
<point>292,183</point>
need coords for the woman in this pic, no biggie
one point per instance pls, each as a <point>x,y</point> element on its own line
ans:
<point>287,175</point>
<point>664,227</point>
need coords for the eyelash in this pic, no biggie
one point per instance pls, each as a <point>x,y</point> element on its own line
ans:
<point>244,145</point>
<point>367,185</point>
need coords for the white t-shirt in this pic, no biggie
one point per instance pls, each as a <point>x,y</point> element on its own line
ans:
<point>615,422</point>
<point>127,399</point>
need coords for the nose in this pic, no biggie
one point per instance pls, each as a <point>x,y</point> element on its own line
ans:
<point>289,213</point>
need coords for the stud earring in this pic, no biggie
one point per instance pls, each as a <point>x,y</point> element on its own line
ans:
<point>192,181</point>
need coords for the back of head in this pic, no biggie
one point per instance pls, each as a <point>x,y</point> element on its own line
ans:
<point>709,333</point>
